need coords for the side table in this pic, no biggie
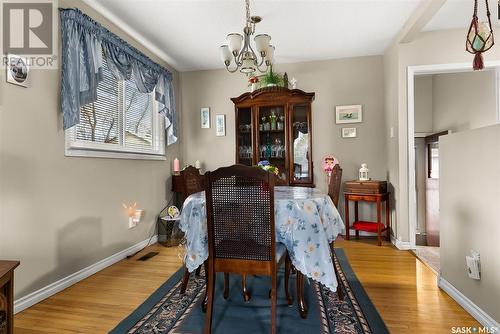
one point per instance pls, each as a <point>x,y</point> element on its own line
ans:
<point>7,296</point>
<point>368,226</point>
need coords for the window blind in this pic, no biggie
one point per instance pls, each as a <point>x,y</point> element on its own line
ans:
<point>99,120</point>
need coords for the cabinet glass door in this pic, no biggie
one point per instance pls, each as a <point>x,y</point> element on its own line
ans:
<point>300,145</point>
<point>271,139</point>
<point>244,130</point>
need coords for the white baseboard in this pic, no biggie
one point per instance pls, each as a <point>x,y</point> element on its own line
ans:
<point>53,288</point>
<point>401,245</point>
<point>467,304</point>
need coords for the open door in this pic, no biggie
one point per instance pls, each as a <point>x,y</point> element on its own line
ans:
<point>432,188</point>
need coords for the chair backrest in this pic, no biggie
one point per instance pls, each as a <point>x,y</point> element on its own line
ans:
<point>192,180</point>
<point>335,184</point>
<point>240,213</point>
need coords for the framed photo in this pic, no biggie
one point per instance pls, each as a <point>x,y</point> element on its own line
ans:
<point>220,125</point>
<point>205,118</point>
<point>17,71</point>
<point>348,132</point>
<point>348,114</point>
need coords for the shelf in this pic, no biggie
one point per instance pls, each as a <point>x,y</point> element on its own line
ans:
<point>367,226</point>
<point>271,131</point>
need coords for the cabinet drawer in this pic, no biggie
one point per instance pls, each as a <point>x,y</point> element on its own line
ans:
<point>366,198</point>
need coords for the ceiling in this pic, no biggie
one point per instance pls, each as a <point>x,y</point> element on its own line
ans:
<point>188,33</point>
<point>458,14</point>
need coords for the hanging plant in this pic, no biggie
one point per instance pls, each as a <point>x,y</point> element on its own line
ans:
<point>480,37</point>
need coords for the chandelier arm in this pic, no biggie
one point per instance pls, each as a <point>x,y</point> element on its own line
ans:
<point>232,71</point>
<point>262,71</point>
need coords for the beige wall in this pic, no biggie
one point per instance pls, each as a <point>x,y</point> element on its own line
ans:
<point>470,211</point>
<point>60,214</point>
<point>463,101</point>
<point>455,101</point>
<point>423,103</point>
<point>437,47</point>
<point>335,82</point>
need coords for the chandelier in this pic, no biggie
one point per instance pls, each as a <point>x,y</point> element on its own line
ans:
<point>245,58</point>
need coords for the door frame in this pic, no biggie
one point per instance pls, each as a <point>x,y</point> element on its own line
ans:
<point>409,165</point>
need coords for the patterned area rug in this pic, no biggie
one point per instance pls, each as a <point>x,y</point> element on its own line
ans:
<point>166,311</point>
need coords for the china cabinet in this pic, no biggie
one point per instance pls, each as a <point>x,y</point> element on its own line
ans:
<point>274,124</point>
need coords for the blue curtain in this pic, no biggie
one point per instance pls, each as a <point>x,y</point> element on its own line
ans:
<point>83,43</point>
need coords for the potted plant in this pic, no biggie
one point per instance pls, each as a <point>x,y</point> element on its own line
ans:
<point>272,79</point>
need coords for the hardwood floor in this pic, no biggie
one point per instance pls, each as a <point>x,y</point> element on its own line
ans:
<point>403,289</point>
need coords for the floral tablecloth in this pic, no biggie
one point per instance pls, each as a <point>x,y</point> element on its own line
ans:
<point>306,221</point>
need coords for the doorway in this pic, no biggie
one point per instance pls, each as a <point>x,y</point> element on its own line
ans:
<point>439,106</point>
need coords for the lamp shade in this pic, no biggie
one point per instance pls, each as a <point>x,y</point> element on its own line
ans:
<point>234,41</point>
<point>270,53</point>
<point>262,42</point>
<point>248,65</point>
<point>225,54</point>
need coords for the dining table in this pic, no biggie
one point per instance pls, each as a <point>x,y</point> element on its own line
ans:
<point>306,222</point>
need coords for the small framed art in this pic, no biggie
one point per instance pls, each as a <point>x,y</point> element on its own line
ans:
<point>205,118</point>
<point>220,125</point>
<point>348,132</point>
<point>348,114</point>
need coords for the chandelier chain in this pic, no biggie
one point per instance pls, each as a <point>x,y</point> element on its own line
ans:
<point>247,6</point>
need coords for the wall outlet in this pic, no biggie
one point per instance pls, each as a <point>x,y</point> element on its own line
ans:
<point>473,265</point>
<point>132,222</point>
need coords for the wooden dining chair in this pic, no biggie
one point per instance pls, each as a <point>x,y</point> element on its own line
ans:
<point>334,185</point>
<point>191,183</point>
<point>241,232</point>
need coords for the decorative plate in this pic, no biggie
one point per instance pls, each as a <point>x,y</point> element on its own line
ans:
<point>173,212</point>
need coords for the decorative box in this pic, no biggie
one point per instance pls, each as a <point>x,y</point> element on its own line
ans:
<point>365,187</point>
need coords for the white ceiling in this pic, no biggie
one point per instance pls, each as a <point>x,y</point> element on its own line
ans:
<point>188,33</point>
<point>458,14</point>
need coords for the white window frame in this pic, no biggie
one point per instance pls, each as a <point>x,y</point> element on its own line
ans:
<point>83,148</point>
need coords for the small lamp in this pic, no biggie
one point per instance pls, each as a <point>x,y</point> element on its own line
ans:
<point>363,173</point>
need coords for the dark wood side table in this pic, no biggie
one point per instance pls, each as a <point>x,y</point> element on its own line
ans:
<point>368,226</point>
<point>7,296</point>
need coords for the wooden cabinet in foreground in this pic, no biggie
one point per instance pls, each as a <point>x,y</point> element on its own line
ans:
<point>274,124</point>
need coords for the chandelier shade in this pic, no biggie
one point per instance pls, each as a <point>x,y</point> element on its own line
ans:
<point>239,50</point>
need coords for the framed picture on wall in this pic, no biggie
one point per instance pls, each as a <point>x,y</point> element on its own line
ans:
<point>348,132</point>
<point>220,125</point>
<point>205,118</point>
<point>348,114</point>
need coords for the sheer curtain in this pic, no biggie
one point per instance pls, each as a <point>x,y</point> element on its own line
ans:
<point>84,41</point>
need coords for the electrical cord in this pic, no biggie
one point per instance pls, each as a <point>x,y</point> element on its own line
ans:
<point>155,232</point>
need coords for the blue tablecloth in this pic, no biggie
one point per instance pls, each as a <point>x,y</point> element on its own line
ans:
<point>306,221</point>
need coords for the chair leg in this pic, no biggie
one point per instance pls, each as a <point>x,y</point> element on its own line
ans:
<point>226,285</point>
<point>274,301</point>
<point>210,302</point>
<point>288,264</point>
<point>246,293</point>
<point>340,292</point>
<point>205,299</point>
<point>185,281</point>
<point>300,295</point>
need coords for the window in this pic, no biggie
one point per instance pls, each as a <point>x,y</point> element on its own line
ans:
<point>122,123</point>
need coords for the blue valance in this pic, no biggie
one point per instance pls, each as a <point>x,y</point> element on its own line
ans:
<point>84,42</point>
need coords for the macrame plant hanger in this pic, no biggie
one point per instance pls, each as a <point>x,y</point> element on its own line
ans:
<point>479,38</point>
